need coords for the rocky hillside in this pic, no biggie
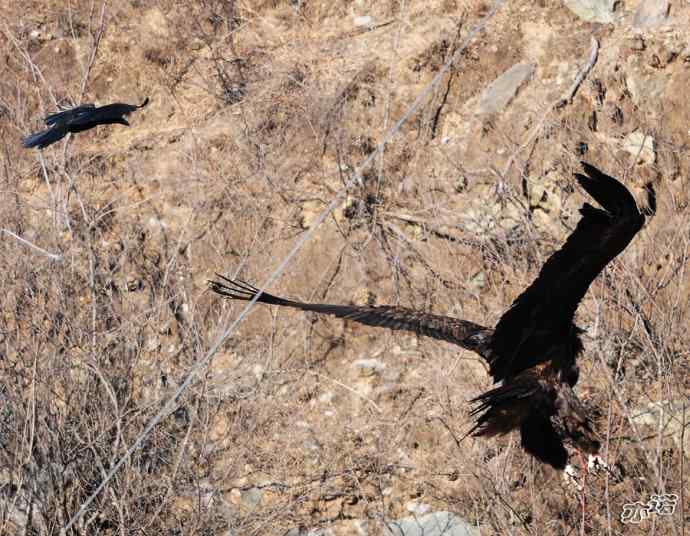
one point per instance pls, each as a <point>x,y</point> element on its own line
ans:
<point>261,113</point>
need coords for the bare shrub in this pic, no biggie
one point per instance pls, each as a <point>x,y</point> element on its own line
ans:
<point>260,113</point>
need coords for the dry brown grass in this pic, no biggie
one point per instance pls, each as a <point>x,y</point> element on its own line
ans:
<point>260,110</point>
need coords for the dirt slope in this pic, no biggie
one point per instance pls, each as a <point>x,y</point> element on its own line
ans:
<point>260,111</point>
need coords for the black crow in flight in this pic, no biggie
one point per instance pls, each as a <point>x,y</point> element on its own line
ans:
<point>531,352</point>
<point>78,119</point>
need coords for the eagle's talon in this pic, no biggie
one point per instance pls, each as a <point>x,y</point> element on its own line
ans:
<point>595,463</point>
<point>572,477</point>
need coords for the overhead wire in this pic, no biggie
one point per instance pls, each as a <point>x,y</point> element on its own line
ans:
<point>356,178</point>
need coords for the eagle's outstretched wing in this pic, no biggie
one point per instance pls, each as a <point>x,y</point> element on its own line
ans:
<point>539,322</point>
<point>461,332</point>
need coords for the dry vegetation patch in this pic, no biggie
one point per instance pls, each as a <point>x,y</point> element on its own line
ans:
<point>260,112</point>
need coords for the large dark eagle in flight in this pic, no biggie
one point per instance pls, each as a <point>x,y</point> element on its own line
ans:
<point>79,119</point>
<point>532,350</point>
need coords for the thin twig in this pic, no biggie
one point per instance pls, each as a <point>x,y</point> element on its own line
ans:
<point>435,229</point>
<point>52,256</point>
<point>351,389</point>
<point>594,51</point>
<point>682,468</point>
<point>94,51</point>
<point>34,69</point>
<point>593,54</point>
<point>171,403</point>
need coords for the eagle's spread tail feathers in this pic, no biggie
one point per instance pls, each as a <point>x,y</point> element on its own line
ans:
<point>500,410</point>
<point>525,403</point>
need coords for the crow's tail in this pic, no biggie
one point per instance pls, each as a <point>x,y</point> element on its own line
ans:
<point>44,138</point>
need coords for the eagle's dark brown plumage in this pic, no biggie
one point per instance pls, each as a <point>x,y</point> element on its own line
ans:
<point>531,352</point>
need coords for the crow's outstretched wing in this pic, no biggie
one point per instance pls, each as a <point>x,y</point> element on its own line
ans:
<point>66,116</point>
<point>104,115</point>
<point>461,332</point>
<point>540,319</point>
